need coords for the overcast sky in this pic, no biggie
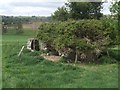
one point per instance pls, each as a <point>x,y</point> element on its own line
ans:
<point>35,7</point>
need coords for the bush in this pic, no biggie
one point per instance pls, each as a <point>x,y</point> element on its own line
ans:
<point>114,54</point>
<point>75,36</point>
<point>106,60</point>
<point>111,26</point>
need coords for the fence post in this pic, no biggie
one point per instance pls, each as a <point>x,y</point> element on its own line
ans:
<point>21,51</point>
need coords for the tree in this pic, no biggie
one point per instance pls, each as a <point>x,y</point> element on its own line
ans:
<point>61,14</point>
<point>96,8</point>
<point>85,10</point>
<point>115,10</point>
<point>78,10</point>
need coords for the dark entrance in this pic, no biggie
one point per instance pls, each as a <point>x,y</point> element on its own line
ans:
<point>35,45</point>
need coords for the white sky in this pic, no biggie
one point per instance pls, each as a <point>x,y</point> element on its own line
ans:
<point>35,7</point>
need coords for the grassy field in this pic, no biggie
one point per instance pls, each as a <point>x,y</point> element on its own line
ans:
<point>32,71</point>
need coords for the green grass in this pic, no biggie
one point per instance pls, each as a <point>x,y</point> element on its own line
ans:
<point>25,32</point>
<point>32,71</point>
<point>14,38</point>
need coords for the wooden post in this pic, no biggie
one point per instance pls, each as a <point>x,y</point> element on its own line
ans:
<point>76,56</point>
<point>108,53</point>
<point>21,51</point>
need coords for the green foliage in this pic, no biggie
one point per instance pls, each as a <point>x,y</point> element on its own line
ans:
<point>71,35</point>
<point>85,10</point>
<point>114,54</point>
<point>11,20</point>
<point>111,28</point>
<point>115,8</point>
<point>61,14</point>
<point>78,10</point>
<point>106,60</point>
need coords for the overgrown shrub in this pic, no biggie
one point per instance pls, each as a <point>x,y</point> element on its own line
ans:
<point>75,37</point>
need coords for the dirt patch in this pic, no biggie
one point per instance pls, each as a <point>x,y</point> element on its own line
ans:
<point>51,57</point>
